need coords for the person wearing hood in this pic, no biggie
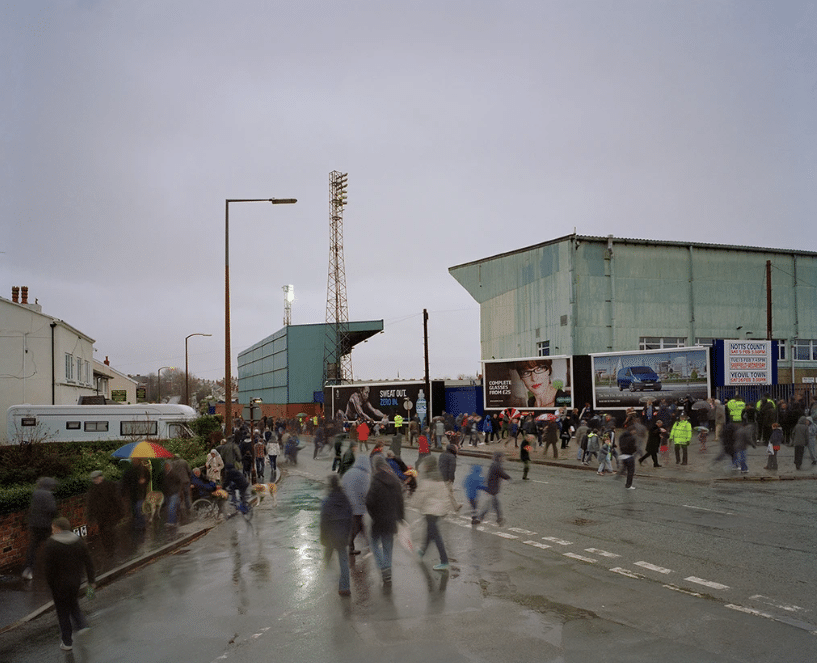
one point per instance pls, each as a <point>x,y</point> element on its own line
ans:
<point>384,502</point>
<point>355,483</point>
<point>42,512</point>
<point>799,438</point>
<point>473,483</point>
<point>431,500</point>
<point>447,465</point>
<point>336,523</point>
<point>67,559</point>
<point>104,507</point>
<point>215,466</point>
<point>495,476</point>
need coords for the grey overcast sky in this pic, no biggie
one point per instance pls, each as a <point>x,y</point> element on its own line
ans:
<point>467,127</point>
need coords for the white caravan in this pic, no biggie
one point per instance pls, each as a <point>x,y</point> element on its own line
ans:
<point>84,423</point>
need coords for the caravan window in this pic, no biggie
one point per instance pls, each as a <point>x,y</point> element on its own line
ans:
<point>96,426</point>
<point>71,425</point>
<point>28,421</point>
<point>138,428</point>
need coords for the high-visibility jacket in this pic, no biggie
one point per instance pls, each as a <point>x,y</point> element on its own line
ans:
<point>681,433</point>
<point>398,422</point>
<point>735,409</point>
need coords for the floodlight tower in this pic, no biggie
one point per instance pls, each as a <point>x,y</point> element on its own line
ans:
<point>289,297</point>
<point>337,357</point>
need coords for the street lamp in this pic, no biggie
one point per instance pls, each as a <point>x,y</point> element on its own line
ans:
<point>228,379</point>
<point>159,380</point>
<point>186,376</point>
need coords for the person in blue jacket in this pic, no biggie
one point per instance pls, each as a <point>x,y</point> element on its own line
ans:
<point>472,484</point>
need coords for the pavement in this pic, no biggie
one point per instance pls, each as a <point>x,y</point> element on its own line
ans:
<point>22,601</point>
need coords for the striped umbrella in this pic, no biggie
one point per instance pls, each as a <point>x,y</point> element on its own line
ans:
<point>142,450</point>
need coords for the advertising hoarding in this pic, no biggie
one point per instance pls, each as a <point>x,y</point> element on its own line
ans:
<point>630,379</point>
<point>373,402</point>
<point>747,362</point>
<point>530,383</point>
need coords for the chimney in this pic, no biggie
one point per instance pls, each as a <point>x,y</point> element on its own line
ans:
<point>24,293</point>
<point>107,362</point>
<point>15,294</point>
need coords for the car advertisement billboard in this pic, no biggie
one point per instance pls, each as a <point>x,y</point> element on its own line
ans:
<point>373,402</point>
<point>529,383</point>
<point>630,379</point>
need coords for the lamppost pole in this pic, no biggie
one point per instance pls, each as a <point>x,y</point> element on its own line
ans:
<point>228,378</point>
<point>186,373</point>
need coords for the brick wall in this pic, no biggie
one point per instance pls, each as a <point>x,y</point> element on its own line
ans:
<point>14,531</point>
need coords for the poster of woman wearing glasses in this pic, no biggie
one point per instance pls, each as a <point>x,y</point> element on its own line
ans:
<point>532,383</point>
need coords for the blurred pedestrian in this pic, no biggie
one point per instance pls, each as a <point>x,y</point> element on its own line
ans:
<point>42,512</point>
<point>773,446</point>
<point>273,451</point>
<point>67,559</point>
<point>135,487</point>
<point>423,450</point>
<point>363,435</point>
<point>447,464</point>
<point>473,483</point>
<point>348,458</point>
<point>628,450</point>
<point>260,448</point>
<point>338,444</point>
<point>495,475</point>
<point>431,500</point>
<point>214,465</point>
<point>799,438</point>
<point>355,483</point>
<point>104,507</point>
<point>524,456</point>
<point>384,502</point>
<point>172,486</point>
<point>654,443</point>
<point>551,437</point>
<point>336,523</point>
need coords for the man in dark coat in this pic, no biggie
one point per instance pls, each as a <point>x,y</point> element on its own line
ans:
<point>495,476</point>
<point>336,523</point>
<point>104,509</point>
<point>384,502</point>
<point>66,560</point>
<point>447,464</point>
<point>42,512</point>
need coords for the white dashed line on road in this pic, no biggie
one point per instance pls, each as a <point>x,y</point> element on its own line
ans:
<point>702,508</point>
<point>519,530</point>
<point>706,583</point>
<point>505,535</point>
<point>603,553</point>
<point>683,591</point>
<point>536,544</point>
<point>774,604</point>
<point>628,574</point>
<point>554,539</point>
<point>653,567</point>
<point>581,558</point>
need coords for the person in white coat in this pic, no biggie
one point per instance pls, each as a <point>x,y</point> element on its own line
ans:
<point>433,501</point>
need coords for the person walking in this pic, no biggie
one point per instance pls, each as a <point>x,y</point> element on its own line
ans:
<point>260,448</point>
<point>654,443</point>
<point>773,446</point>
<point>104,507</point>
<point>336,523</point>
<point>447,464</point>
<point>524,456</point>
<point>214,466</point>
<point>384,502</point>
<point>363,435</point>
<point>495,475</point>
<point>172,487</point>
<point>551,436</point>
<point>67,559</point>
<point>680,435</point>
<point>799,438</point>
<point>355,483</point>
<point>473,483</point>
<point>628,448</point>
<point>42,512</point>
<point>273,451</point>
<point>348,458</point>
<point>423,450</point>
<point>431,500</point>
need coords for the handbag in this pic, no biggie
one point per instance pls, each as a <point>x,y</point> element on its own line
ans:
<point>404,536</point>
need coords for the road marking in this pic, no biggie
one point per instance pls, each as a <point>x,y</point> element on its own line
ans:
<point>749,611</point>
<point>519,530</point>
<point>536,544</point>
<point>653,567</point>
<point>782,619</point>
<point>625,572</point>
<point>701,508</point>
<point>554,539</point>
<point>603,553</point>
<point>706,583</point>
<point>505,535</point>
<point>774,604</point>
<point>581,558</point>
<point>683,591</point>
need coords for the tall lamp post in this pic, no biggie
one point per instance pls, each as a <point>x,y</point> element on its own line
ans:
<point>228,378</point>
<point>159,380</point>
<point>186,373</point>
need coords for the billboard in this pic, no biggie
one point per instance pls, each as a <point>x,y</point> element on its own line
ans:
<point>532,383</point>
<point>376,402</point>
<point>630,379</point>
<point>747,362</point>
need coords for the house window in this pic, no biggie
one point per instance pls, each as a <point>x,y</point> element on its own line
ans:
<point>96,426</point>
<point>79,370</point>
<point>69,366</point>
<point>543,348</point>
<point>661,342</point>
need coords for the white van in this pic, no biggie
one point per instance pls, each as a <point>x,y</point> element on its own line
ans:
<point>84,423</point>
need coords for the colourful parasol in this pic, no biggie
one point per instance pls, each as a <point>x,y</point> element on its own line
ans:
<point>511,413</point>
<point>548,416</point>
<point>142,450</point>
